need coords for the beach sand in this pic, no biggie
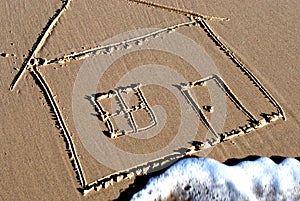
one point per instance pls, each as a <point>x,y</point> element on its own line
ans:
<point>34,152</point>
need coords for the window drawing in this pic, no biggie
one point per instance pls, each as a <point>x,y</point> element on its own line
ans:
<point>124,109</point>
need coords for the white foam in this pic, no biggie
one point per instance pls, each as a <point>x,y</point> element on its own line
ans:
<point>207,179</point>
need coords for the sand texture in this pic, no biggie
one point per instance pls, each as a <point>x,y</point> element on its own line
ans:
<point>159,80</point>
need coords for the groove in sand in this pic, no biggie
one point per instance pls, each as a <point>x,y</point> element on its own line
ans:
<point>114,46</point>
<point>178,10</point>
<point>68,140</point>
<point>243,68</point>
<point>40,42</point>
<point>105,116</point>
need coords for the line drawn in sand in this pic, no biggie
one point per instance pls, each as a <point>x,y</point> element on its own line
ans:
<point>221,137</point>
<point>32,64</point>
<point>105,116</point>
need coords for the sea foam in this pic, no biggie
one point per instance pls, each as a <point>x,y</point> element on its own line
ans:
<point>207,179</point>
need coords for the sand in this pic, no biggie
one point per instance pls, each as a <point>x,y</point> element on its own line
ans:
<point>43,155</point>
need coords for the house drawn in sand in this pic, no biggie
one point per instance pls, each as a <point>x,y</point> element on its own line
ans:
<point>33,65</point>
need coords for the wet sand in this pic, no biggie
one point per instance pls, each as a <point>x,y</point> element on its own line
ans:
<point>42,154</point>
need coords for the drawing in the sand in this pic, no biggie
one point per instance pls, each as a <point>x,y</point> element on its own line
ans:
<point>220,137</point>
<point>32,64</point>
<point>124,110</point>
